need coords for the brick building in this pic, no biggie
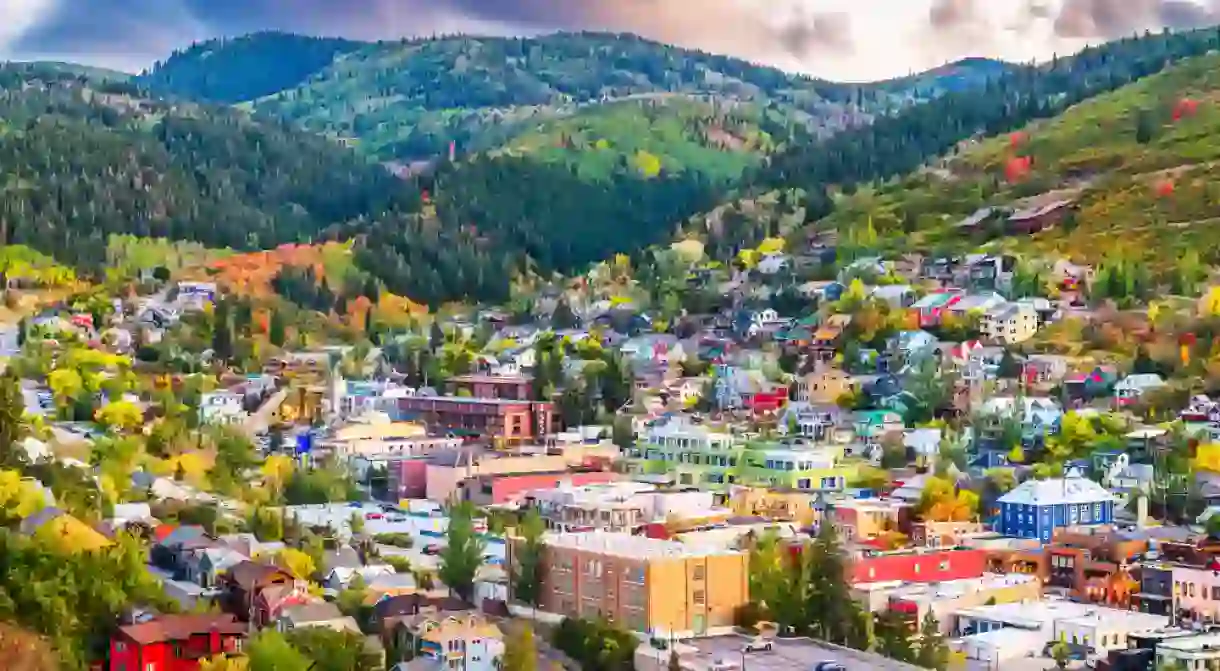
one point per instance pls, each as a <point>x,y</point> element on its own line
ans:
<point>487,418</point>
<point>644,584</point>
<point>506,387</point>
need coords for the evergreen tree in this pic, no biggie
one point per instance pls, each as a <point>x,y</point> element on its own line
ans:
<point>243,317</point>
<point>276,329</point>
<point>1144,363</point>
<point>463,553</point>
<point>894,637</point>
<point>563,317</point>
<point>436,336</point>
<point>932,652</point>
<point>528,585</point>
<point>371,291</point>
<point>1009,368</point>
<point>222,331</point>
<point>12,423</point>
<point>1143,127</point>
<point>829,600</point>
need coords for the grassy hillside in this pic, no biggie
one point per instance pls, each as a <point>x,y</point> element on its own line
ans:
<point>410,99</point>
<point>674,134</point>
<point>1141,160</point>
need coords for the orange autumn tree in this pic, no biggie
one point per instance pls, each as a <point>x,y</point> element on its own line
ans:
<point>941,501</point>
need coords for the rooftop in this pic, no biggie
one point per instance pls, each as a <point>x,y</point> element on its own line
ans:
<point>1072,489</point>
<point>632,547</point>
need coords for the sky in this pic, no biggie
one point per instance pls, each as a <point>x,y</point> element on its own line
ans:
<point>850,40</point>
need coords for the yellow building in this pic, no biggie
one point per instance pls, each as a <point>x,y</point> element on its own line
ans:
<point>644,584</point>
<point>792,506</point>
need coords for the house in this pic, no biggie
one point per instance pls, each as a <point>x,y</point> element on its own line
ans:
<point>1009,324</point>
<point>203,566</point>
<point>992,272</point>
<point>773,263</point>
<point>871,425</point>
<point>245,584</point>
<point>175,642</point>
<point>897,296</point>
<point>914,347</point>
<point>316,614</point>
<point>1090,384</point>
<point>1129,389</point>
<point>1037,218</point>
<point>825,385</point>
<point>222,407</point>
<point>460,641</point>
<point>1035,508</point>
<point>1038,414</point>
<point>65,531</point>
<point>1044,369</point>
<point>975,303</point>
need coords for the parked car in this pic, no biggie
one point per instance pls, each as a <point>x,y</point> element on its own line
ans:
<point>829,665</point>
<point>759,644</point>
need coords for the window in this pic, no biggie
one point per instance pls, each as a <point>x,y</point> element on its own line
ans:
<point>1190,588</point>
<point>698,597</point>
<point>698,572</point>
<point>944,565</point>
<point>120,647</point>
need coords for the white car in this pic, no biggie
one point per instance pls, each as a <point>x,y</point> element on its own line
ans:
<point>757,645</point>
<point>723,665</point>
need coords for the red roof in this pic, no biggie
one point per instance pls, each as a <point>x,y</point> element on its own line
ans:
<point>182,627</point>
<point>163,531</point>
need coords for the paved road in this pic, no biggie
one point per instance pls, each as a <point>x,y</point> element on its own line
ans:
<point>787,655</point>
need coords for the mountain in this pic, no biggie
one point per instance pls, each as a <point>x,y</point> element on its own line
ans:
<point>955,77</point>
<point>82,160</point>
<point>232,70</point>
<point>409,99</point>
<point>1139,162</point>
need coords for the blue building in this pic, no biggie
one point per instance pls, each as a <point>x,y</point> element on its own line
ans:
<point>1037,507</point>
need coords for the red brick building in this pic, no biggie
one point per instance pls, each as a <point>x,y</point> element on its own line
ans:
<point>487,418</point>
<point>175,642</point>
<point>913,566</point>
<point>507,387</point>
<point>494,488</point>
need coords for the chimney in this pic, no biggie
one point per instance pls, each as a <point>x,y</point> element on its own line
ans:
<point>1141,512</point>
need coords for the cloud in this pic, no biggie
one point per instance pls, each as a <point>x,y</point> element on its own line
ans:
<point>854,39</point>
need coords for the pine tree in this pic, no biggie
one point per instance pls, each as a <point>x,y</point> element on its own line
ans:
<point>932,651</point>
<point>463,553</point>
<point>222,331</point>
<point>563,317</point>
<point>829,600</point>
<point>12,423</point>
<point>528,584</point>
<point>275,330</point>
<point>893,637</point>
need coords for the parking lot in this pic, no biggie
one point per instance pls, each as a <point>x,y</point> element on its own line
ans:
<point>795,654</point>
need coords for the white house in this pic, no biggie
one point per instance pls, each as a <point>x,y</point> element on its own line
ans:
<point>1130,388</point>
<point>774,262</point>
<point>222,407</point>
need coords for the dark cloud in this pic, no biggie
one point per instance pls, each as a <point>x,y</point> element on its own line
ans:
<point>1107,19</point>
<point>946,15</point>
<point>805,34</point>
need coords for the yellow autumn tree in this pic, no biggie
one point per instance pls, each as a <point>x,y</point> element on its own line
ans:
<point>647,163</point>
<point>1209,304</point>
<point>296,562</point>
<point>277,470</point>
<point>223,662</point>
<point>771,246</point>
<point>19,498</point>
<point>120,416</point>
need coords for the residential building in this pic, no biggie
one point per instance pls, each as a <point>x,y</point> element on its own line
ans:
<point>466,641</point>
<point>323,614</point>
<point>944,599</point>
<point>868,519</point>
<point>1195,653</point>
<point>1195,593</point>
<point>1129,389</point>
<point>223,407</point>
<point>505,387</point>
<point>691,453</point>
<point>488,418</point>
<point>1009,324</point>
<point>175,642</point>
<point>825,385</point>
<point>444,472</point>
<point>930,309</point>
<point>644,584</point>
<point>792,465</point>
<point>377,435</point>
<point>1035,508</point>
<point>821,422</point>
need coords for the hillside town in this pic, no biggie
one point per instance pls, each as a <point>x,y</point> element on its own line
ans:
<point>903,468</point>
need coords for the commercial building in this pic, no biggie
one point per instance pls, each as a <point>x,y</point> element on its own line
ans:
<point>867,519</point>
<point>1189,652</point>
<point>507,387</point>
<point>620,507</point>
<point>644,584</point>
<point>917,566</point>
<point>488,418</point>
<point>943,599</point>
<point>1037,507</point>
<point>446,471</point>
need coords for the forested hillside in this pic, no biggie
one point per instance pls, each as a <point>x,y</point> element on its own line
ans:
<point>903,142</point>
<point>243,68</point>
<point>1140,163</point>
<point>81,162</point>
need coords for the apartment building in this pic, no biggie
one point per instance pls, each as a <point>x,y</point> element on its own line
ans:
<point>644,584</point>
<point>867,519</point>
<point>620,506</point>
<point>508,387</point>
